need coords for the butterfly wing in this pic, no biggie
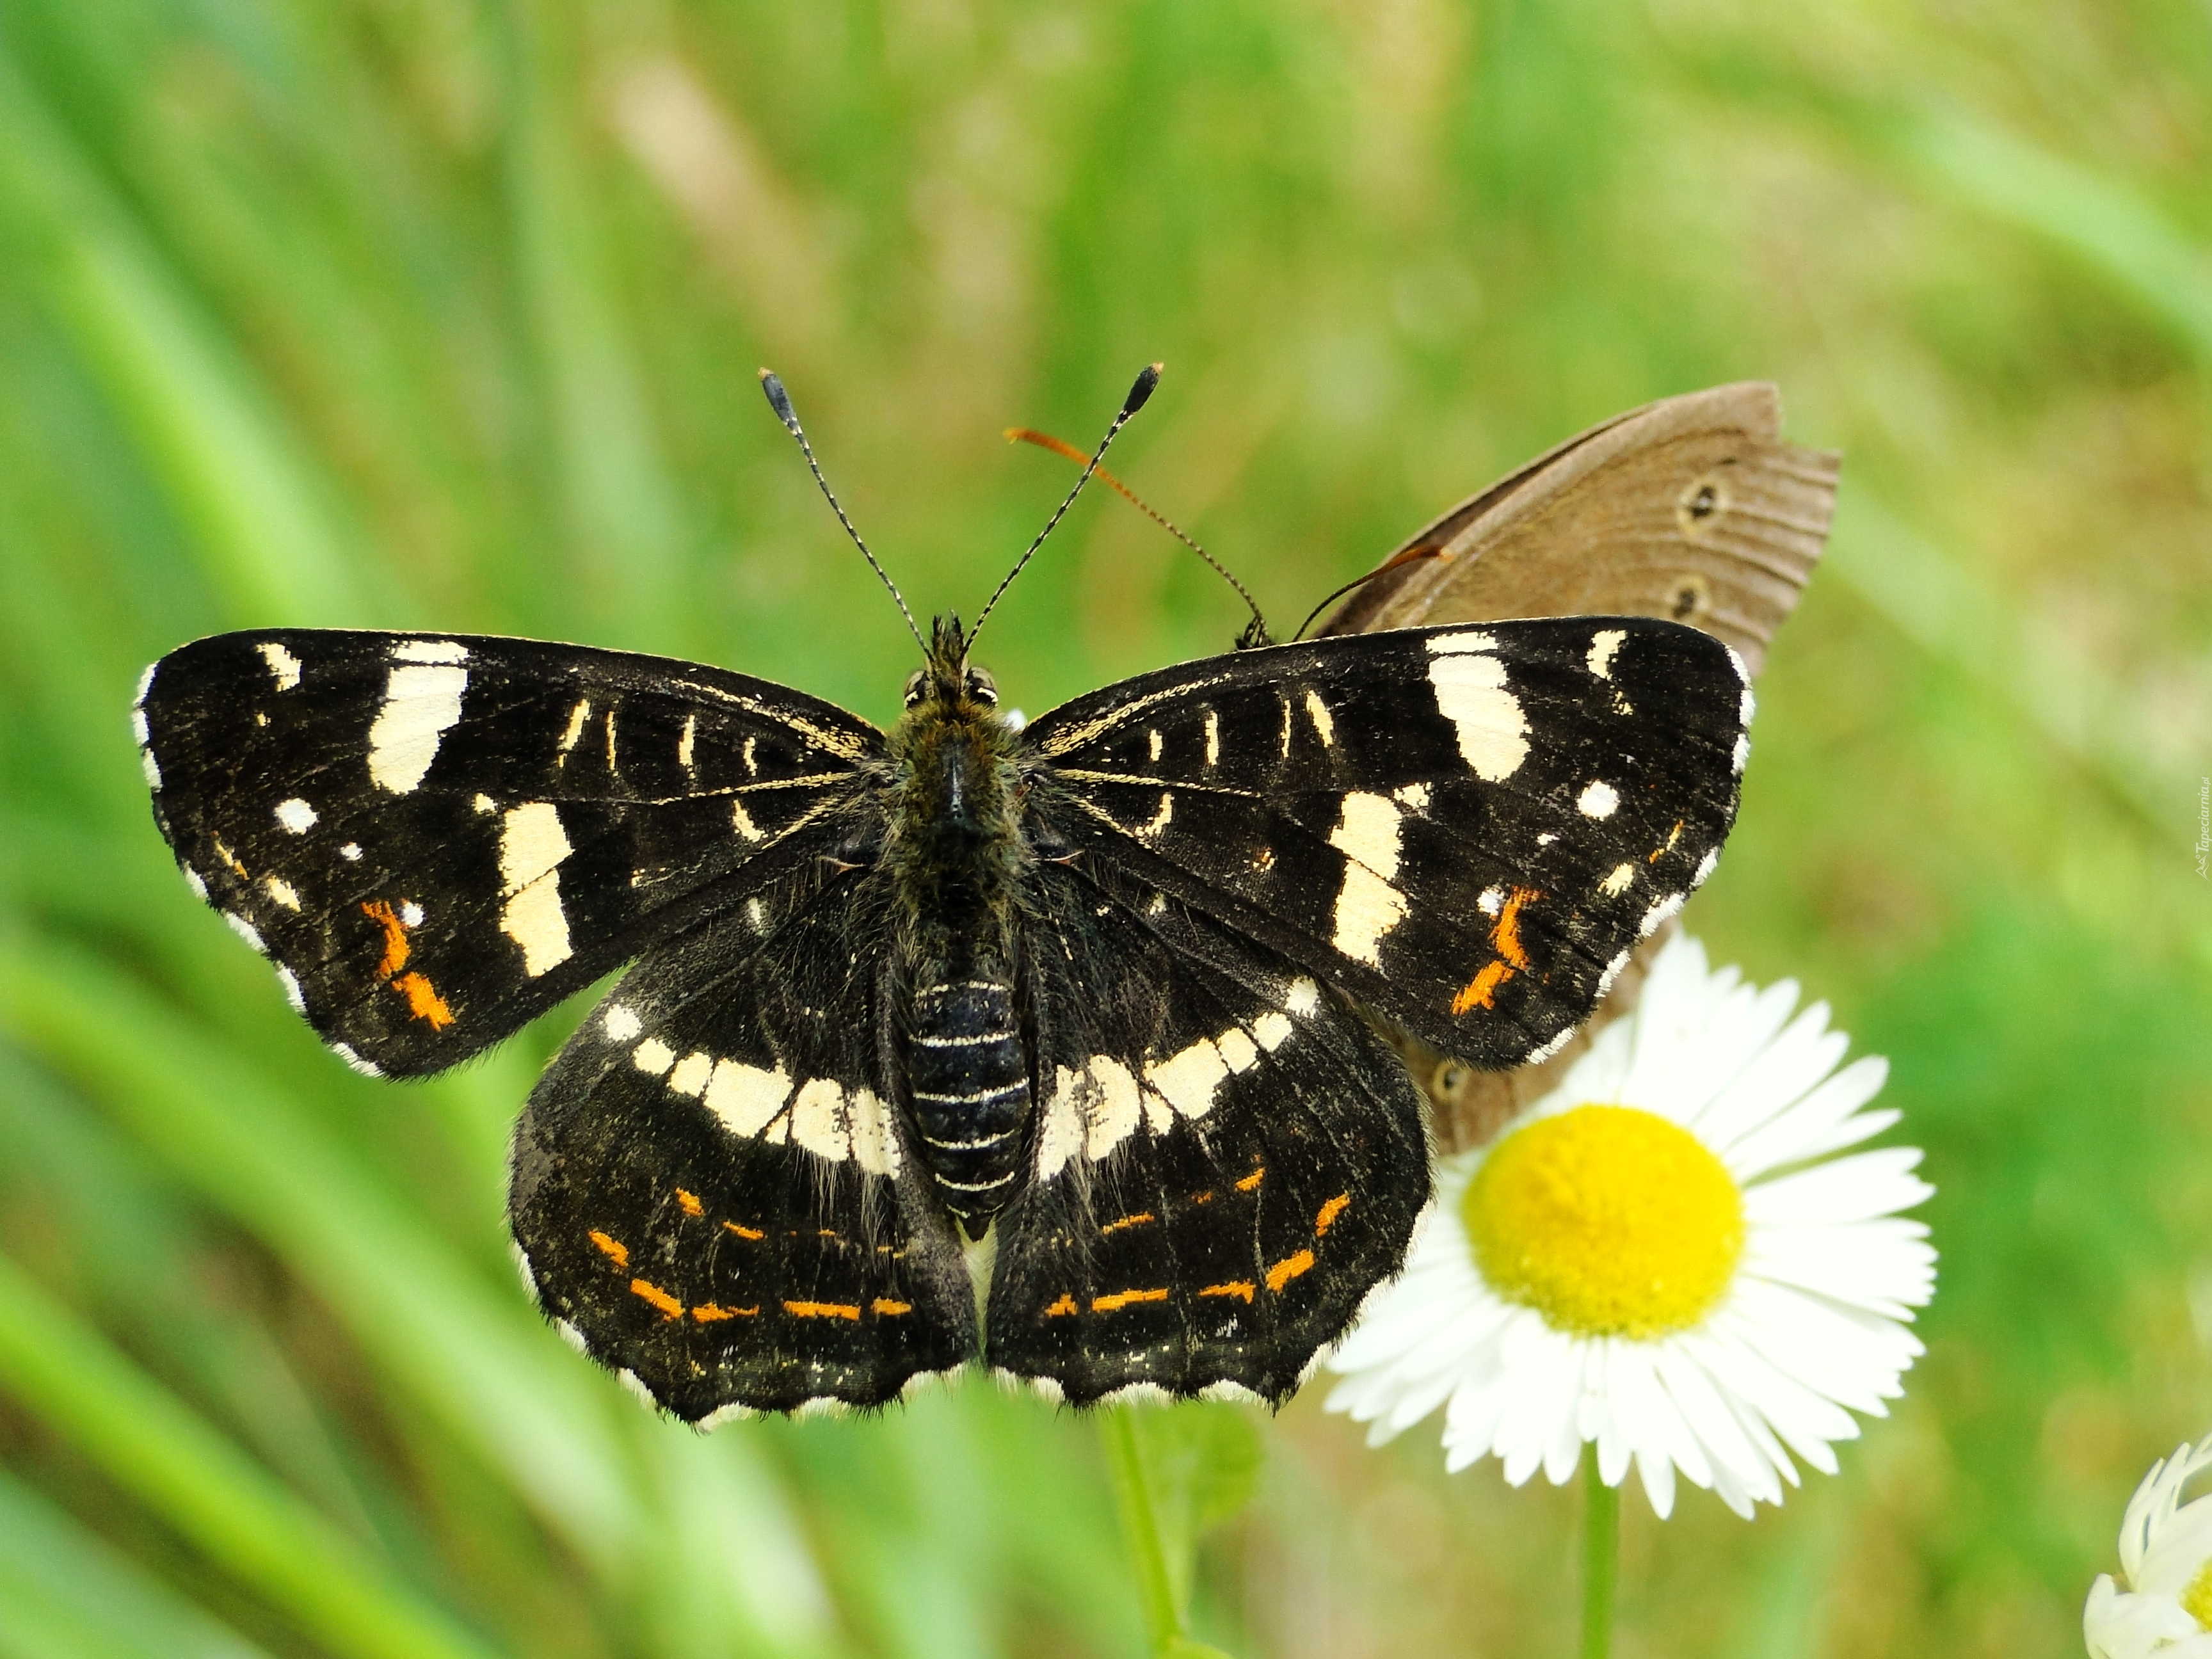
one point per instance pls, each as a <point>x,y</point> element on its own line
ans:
<point>1691,508</point>
<point>1465,830</point>
<point>714,1185</point>
<point>1225,1161</point>
<point>436,838</point>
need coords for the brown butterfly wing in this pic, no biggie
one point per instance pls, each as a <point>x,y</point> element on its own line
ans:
<point>1691,508</point>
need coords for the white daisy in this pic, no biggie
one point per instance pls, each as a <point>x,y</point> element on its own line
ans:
<point>1663,1257</point>
<point>2165,1559</point>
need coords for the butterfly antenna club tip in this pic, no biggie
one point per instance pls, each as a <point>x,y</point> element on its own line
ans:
<point>779,401</point>
<point>1148,378</point>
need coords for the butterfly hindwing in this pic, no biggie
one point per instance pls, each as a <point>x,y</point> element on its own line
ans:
<point>437,837</point>
<point>1465,829</point>
<point>715,1186</point>
<point>1226,1158</point>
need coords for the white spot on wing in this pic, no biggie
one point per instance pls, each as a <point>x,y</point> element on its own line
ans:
<point>1603,644</point>
<point>429,651</point>
<point>531,845</point>
<point>653,1056</point>
<point>875,1143</point>
<point>1161,819</point>
<point>295,815</point>
<point>1617,883</point>
<point>1317,712</point>
<point>1452,644</point>
<point>683,743</point>
<point>1272,1030</point>
<point>1367,909</point>
<point>419,702</point>
<point>1212,738</point>
<point>281,890</point>
<point>410,914</point>
<point>1153,742</point>
<point>620,1023</point>
<point>689,1077</point>
<point>283,666</point>
<point>1599,800</point>
<point>1188,1081</point>
<point>1492,900</point>
<point>1415,795</point>
<point>366,1067</point>
<point>1367,832</point>
<point>350,851</point>
<point>1471,693</point>
<point>1659,913</point>
<point>817,1120</point>
<point>742,820</point>
<point>745,1097</point>
<point>1304,997</point>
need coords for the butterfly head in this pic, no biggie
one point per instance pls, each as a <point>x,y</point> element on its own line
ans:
<point>945,680</point>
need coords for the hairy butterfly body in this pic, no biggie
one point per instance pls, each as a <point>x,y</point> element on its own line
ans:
<point>1066,1049</point>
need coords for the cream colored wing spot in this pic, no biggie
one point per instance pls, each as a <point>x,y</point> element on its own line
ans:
<point>1617,883</point>
<point>1599,801</point>
<point>1603,644</point>
<point>531,845</point>
<point>652,1057</point>
<point>280,890</point>
<point>1317,712</point>
<point>283,666</point>
<point>1471,692</point>
<point>741,821</point>
<point>1091,1111</point>
<point>746,1097</point>
<point>1367,909</point>
<point>1212,738</point>
<point>690,1074</point>
<point>295,815</point>
<point>422,701</point>
<point>1367,832</point>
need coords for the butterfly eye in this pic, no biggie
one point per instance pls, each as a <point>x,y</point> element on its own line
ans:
<point>982,687</point>
<point>914,684</point>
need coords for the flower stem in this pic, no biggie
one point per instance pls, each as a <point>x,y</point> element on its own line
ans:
<point>1601,1557</point>
<point>1140,1529</point>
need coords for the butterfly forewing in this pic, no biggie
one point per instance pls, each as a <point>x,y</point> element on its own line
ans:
<point>1226,1158</point>
<point>715,1184</point>
<point>437,837</point>
<point>1464,829</point>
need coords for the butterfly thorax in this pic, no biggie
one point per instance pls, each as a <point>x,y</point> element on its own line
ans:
<point>955,857</point>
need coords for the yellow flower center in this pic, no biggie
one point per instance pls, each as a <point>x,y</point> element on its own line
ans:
<point>1608,1220</point>
<point>2196,1600</point>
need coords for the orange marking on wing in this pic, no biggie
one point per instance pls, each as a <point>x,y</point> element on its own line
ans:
<point>669,1306</point>
<point>1064,1305</point>
<point>1329,1212</point>
<point>688,1202</point>
<point>1137,1220</point>
<point>744,1232</point>
<point>1202,1198</point>
<point>424,1000</point>
<point>1252,1179</point>
<point>1121,1299</point>
<point>889,1308</point>
<point>706,1313</point>
<point>1242,1287</point>
<point>395,948</point>
<point>617,1251</point>
<point>1478,992</point>
<point>823,1310</point>
<point>1507,934</point>
<point>1288,1269</point>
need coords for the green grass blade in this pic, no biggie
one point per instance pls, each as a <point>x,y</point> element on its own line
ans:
<point>153,1445</point>
<point>66,1592</point>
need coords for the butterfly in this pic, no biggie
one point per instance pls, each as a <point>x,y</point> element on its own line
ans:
<point>1057,1046</point>
<point>1691,508</point>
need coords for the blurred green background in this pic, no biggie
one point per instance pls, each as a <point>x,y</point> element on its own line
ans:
<point>435,313</point>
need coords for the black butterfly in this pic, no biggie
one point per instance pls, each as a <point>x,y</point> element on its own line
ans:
<point>1088,992</point>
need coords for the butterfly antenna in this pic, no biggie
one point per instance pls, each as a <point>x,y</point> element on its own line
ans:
<point>1411,555</point>
<point>1256,632</point>
<point>1148,378</point>
<point>779,401</point>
